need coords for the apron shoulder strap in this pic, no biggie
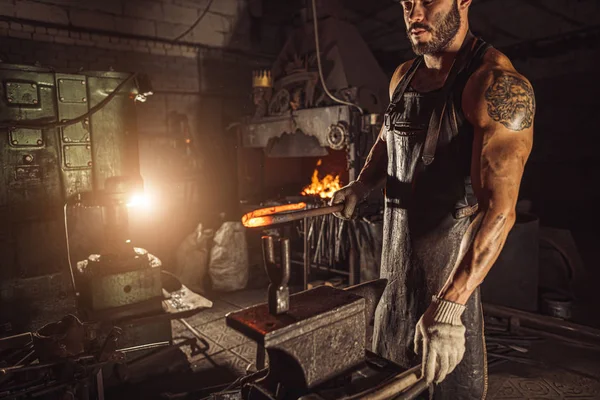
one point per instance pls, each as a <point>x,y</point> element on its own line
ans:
<point>406,79</point>
<point>401,89</point>
<point>462,59</point>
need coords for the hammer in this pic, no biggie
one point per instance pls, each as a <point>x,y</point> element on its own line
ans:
<point>278,273</point>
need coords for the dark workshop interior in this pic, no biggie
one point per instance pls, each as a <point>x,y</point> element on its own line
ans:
<point>166,230</point>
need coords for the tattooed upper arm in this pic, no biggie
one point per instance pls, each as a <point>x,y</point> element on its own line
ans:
<point>510,101</point>
<point>500,104</point>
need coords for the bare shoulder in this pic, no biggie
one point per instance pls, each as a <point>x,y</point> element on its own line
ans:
<point>399,74</point>
<point>497,93</point>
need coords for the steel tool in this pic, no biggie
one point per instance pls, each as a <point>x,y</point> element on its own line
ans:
<point>285,213</point>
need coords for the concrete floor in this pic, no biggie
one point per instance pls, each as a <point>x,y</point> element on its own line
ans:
<point>560,371</point>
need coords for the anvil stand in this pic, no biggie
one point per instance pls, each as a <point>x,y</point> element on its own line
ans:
<point>315,339</point>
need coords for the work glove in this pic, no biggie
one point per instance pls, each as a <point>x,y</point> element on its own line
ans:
<point>442,335</point>
<point>351,195</point>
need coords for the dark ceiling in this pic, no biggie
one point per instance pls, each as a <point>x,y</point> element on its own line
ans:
<point>521,28</point>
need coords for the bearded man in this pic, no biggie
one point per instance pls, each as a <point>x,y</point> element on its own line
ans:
<point>457,134</point>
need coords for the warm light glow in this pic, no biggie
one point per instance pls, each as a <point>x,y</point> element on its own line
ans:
<point>141,201</point>
<point>262,217</point>
<point>258,221</point>
<point>325,188</point>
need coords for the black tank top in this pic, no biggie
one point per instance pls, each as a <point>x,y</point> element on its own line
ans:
<point>431,191</point>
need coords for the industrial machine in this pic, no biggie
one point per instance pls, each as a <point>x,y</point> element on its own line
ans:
<point>70,172</point>
<point>66,135</point>
<point>294,116</point>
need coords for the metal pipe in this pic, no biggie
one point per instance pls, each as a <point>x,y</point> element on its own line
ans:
<point>145,346</point>
<point>406,385</point>
<point>306,259</point>
<point>414,391</point>
<point>12,342</point>
<point>310,228</point>
<point>338,240</point>
<point>319,241</point>
<point>545,323</point>
<point>330,238</point>
<point>324,240</point>
<point>27,356</point>
<point>311,233</point>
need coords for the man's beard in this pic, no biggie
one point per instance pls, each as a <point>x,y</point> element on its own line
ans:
<point>445,31</point>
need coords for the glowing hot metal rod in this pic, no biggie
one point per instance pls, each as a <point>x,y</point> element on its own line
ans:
<point>285,213</point>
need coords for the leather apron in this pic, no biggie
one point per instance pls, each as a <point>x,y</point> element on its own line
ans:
<point>429,204</point>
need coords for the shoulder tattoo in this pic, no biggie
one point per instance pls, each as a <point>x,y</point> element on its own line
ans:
<point>510,101</point>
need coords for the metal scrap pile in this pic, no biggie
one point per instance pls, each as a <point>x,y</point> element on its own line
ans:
<point>60,360</point>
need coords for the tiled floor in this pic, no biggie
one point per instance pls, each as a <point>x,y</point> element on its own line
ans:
<point>228,348</point>
<point>544,385</point>
<point>563,372</point>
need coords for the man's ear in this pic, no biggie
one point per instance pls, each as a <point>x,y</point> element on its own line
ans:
<point>464,4</point>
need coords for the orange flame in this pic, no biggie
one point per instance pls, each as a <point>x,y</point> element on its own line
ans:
<point>325,188</point>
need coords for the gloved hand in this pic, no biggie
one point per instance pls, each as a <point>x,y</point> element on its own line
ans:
<point>351,195</point>
<point>442,334</point>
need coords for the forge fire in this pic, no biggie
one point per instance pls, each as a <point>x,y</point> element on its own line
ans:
<point>324,187</point>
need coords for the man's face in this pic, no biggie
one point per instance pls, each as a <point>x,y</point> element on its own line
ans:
<point>431,24</point>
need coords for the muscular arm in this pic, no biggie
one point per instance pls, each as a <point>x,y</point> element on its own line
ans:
<point>501,106</point>
<point>374,172</point>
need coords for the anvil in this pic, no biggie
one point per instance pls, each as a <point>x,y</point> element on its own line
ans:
<point>320,337</point>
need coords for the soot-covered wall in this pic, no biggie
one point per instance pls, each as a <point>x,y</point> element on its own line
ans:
<point>201,84</point>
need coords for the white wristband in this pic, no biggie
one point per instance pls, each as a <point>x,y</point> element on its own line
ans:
<point>447,312</point>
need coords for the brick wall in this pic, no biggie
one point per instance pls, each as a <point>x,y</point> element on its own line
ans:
<point>161,19</point>
<point>213,62</point>
<point>204,79</point>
